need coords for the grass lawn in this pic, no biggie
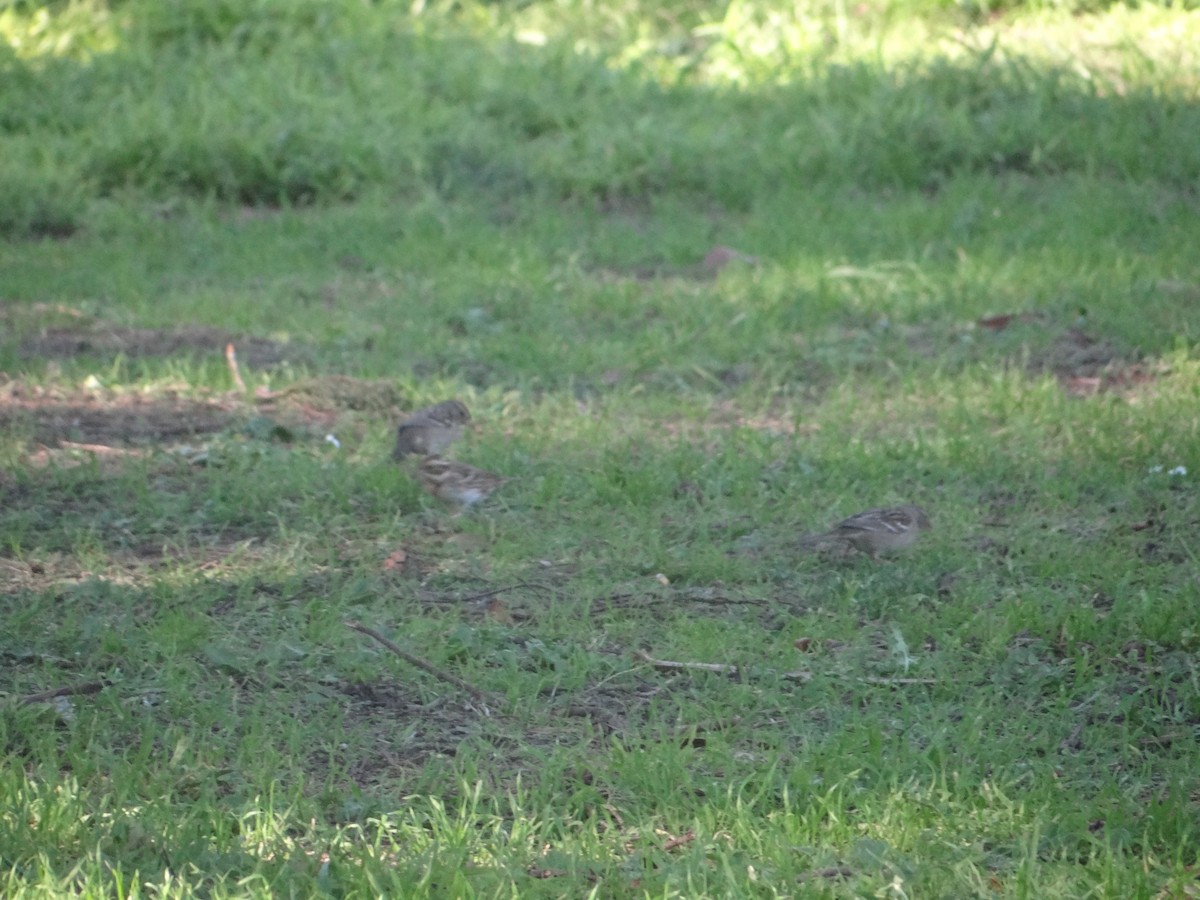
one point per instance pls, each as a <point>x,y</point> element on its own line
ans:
<point>965,275</point>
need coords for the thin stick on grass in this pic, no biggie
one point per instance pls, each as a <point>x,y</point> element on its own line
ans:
<point>101,449</point>
<point>420,663</point>
<point>686,838</point>
<point>494,591</point>
<point>76,690</point>
<point>668,665</point>
<point>721,599</point>
<point>830,872</point>
<point>231,358</point>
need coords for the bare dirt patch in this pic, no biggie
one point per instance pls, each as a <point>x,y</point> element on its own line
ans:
<point>102,339</point>
<point>1086,364</point>
<point>131,566</point>
<point>1076,353</point>
<point>1117,378</point>
<point>407,730</point>
<point>334,392</point>
<point>68,422</point>
<point>52,417</point>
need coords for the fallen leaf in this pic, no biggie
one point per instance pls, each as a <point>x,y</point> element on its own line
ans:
<point>996,323</point>
<point>498,612</point>
<point>685,838</point>
<point>535,872</point>
<point>719,257</point>
<point>395,560</point>
<point>1082,386</point>
<point>805,644</point>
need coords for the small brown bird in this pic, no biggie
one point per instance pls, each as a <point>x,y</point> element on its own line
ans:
<point>429,431</point>
<point>877,531</point>
<point>457,482</point>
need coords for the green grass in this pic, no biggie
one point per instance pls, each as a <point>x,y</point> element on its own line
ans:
<point>382,208</point>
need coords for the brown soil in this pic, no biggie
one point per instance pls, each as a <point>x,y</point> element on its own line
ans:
<point>102,339</point>
<point>103,420</point>
<point>52,417</point>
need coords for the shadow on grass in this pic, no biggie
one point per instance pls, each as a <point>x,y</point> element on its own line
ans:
<point>408,110</point>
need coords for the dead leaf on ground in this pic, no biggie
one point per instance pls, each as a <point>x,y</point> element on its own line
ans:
<point>996,323</point>
<point>830,872</point>
<point>395,560</point>
<point>1000,321</point>
<point>498,612</point>
<point>535,872</point>
<point>686,838</point>
<point>720,256</point>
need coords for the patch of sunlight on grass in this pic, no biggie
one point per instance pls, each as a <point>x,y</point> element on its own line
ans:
<point>1116,51</point>
<point>79,30</point>
<point>759,42</point>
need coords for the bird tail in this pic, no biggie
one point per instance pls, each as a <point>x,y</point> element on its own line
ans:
<point>816,540</point>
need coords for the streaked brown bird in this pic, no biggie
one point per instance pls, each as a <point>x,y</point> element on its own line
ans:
<point>457,482</point>
<point>877,531</point>
<point>429,431</point>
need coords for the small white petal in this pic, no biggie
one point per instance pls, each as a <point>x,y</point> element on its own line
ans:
<point>1154,470</point>
<point>1178,470</point>
<point>330,439</point>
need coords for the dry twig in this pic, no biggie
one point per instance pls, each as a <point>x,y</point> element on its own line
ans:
<point>686,838</point>
<point>705,596</point>
<point>420,663</point>
<point>830,872</point>
<point>231,358</point>
<point>101,449</point>
<point>667,665</point>
<point>78,690</point>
